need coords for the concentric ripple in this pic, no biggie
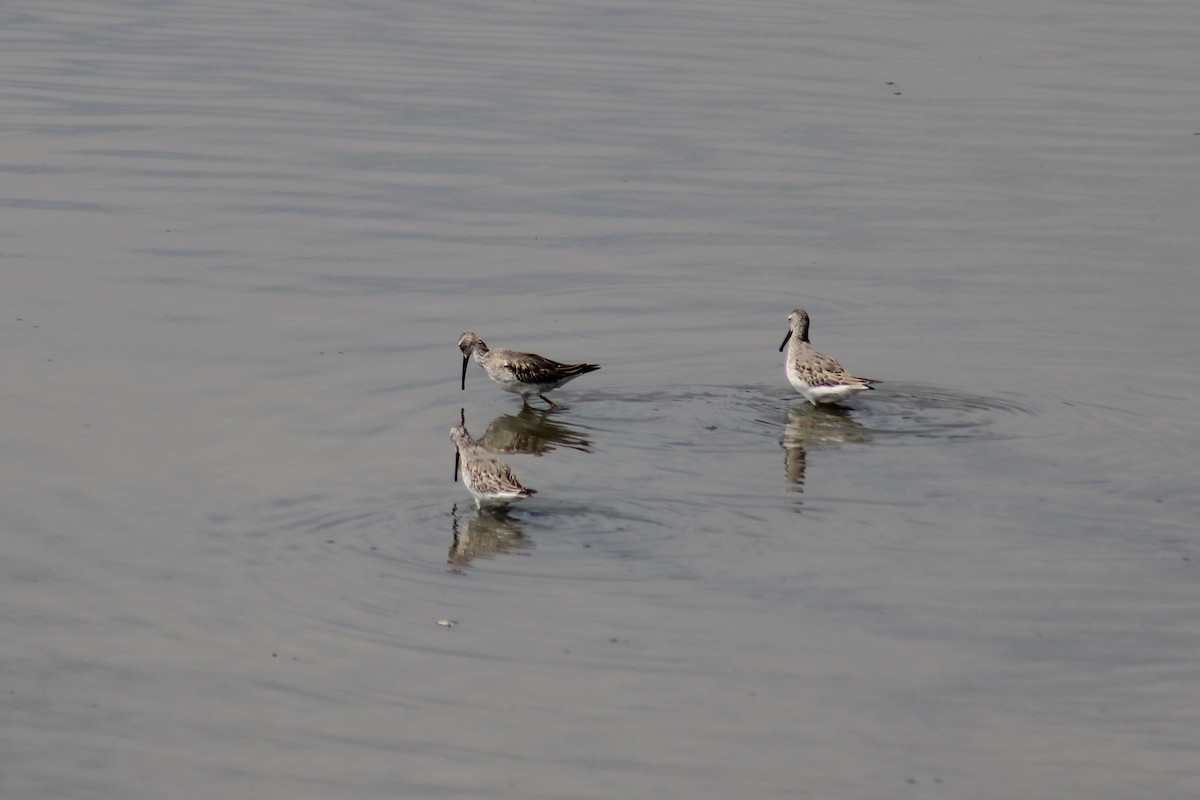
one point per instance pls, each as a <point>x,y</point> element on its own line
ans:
<point>721,417</point>
<point>903,412</point>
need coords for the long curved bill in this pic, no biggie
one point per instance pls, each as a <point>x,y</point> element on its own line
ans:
<point>456,458</point>
<point>785,341</point>
<point>464,375</point>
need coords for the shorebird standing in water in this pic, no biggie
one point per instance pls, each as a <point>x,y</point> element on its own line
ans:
<point>520,373</point>
<point>489,480</point>
<point>815,375</point>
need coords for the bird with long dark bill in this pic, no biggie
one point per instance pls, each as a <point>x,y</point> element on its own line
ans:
<point>526,374</point>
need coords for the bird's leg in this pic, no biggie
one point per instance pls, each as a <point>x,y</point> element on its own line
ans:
<point>553,406</point>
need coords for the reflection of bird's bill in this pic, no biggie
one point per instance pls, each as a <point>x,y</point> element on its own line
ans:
<point>462,420</point>
<point>785,341</point>
<point>466,360</point>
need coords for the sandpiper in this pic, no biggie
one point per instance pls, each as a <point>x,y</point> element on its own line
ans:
<point>815,375</point>
<point>489,480</point>
<point>521,373</point>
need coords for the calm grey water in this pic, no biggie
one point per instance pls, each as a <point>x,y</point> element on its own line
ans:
<point>239,241</point>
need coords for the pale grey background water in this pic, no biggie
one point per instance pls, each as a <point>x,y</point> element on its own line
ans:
<point>239,241</point>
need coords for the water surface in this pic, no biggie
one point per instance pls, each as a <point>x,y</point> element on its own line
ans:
<point>241,239</point>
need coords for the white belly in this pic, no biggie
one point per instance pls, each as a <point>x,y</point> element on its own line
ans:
<point>821,394</point>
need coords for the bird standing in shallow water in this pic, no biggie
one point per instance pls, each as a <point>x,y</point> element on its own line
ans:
<point>815,375</point>
<point>489,480</point>
<point>520,373</point>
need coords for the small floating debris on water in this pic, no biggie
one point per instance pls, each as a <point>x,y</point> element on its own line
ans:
<point>447,623</point>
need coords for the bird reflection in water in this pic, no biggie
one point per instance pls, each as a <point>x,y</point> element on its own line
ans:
<point>810,428</point>
<point>534,432</point>
<point>489,531</point>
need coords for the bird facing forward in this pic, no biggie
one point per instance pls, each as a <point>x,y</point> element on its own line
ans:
<point>815,375</point>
